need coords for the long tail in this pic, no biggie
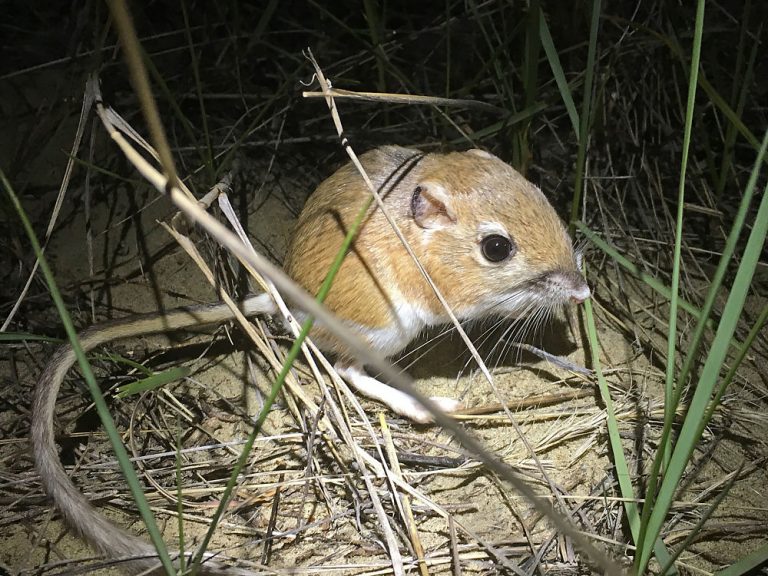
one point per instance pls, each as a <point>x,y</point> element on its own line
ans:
<point>105,537</point>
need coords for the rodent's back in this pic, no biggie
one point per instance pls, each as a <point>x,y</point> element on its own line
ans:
<point>362,292</point>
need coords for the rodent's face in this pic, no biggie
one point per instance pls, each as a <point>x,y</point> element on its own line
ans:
<point>495,238</point>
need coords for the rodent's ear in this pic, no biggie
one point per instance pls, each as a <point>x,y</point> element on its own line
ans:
<point>481,153</point>
<point>431,206</point>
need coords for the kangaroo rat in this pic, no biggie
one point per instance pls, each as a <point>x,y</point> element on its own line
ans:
<point>489,238</point>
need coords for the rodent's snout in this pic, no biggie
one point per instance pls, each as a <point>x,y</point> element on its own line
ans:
<point>578,296</point>
<point>579,289</point>
<point>573,286</point>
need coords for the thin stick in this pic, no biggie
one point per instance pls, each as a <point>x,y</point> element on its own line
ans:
<point>406,99</point>
<point>405,500</point>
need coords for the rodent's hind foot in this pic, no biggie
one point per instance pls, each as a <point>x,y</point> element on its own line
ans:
<point>397,401</point>
<point>446,404</point>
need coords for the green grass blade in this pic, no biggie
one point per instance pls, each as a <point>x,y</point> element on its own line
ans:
<point>27,337</point>
<point>557,71</point>
<point>101,406</point>
<point>729,112</point>
<point>622,470</point>
<point>694,423</point>
<point>532,49</point>
<point>586,115</point>
<point>623,476</point>
<point>670,407</point>
<point>118,359</point>
<point>157,380</point>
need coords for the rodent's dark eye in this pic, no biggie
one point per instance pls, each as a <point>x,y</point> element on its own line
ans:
<point>497,247</point>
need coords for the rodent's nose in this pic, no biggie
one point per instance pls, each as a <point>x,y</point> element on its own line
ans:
<point>580,294</point>
<point>569,284</point>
